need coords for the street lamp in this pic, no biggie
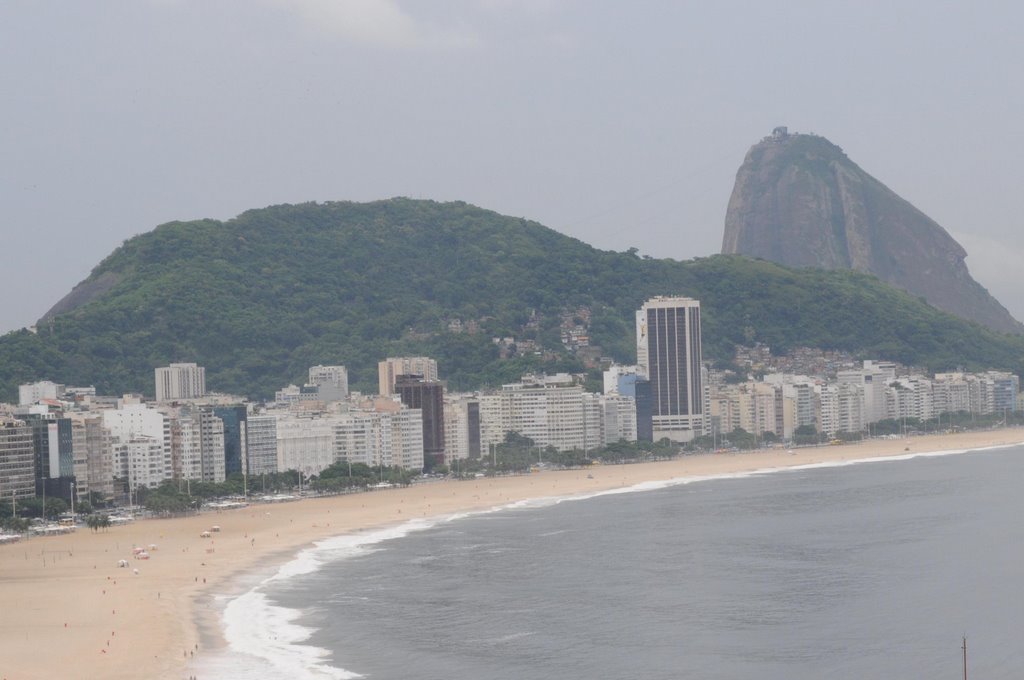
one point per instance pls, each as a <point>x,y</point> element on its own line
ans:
<point>72,501</point>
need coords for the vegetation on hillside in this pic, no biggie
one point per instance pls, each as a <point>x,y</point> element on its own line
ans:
<point>260,298</point>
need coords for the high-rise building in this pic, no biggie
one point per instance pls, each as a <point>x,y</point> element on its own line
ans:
<point>417,392</point>
<point>100,456</point>
<point>132,422</point>
<point>141,461</point>
<point>213,445</point>
<point>392,367</point>
<point>261,443</point>
<point>669,356</point>
<point>234,437</point>
<point>382,433</point>
<point>461,427</point>
<point>180,381</point>
<point>54,456</point>
<point>17,461</point>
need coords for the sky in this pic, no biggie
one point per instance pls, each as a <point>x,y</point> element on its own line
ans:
<point>619,123</point>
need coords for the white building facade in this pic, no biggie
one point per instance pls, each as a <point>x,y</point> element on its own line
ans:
<point>180,381</point>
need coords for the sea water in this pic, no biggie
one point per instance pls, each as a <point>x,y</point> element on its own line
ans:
<point>841,571</point>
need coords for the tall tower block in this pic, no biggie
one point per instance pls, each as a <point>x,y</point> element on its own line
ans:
<point>669,355</point>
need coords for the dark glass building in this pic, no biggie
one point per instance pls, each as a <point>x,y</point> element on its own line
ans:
<point>428,396</point>
<point>234,437</point>
<point>54,460</point>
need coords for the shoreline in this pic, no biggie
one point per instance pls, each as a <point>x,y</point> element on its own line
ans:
<point>97,620</point>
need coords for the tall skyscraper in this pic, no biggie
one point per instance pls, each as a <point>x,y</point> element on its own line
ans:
<point>180,381</point>
<point>669,355</point>
<point>417,392</point>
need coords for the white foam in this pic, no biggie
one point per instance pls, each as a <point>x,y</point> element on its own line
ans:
<point>263,637</point>
<point>264,640</point>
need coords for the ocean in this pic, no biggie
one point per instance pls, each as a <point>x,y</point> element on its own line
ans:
<point>855,570</point>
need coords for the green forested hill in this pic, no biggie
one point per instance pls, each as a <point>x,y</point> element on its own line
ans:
<point>259,298</point>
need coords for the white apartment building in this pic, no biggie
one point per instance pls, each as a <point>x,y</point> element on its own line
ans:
<point>984,393</point>
<point>752,406</point>
<point>142,461</point>
<point>723,412</point>
<point>385,436</point>
<point>910,397</point>
<point>873,384</point>
<point>197,443</point>
<point>134,422</point>
<point>617,418</point>
<point>80,458</point>
<point>98,451</point>
<point>186,447</point>
<point>796,402</point>
<point>180,381</point>
<point>304,442</point>
<point>34,392</point>
<point>550,410</point>
<point>461,415</point>
<point>211,432</point>
<point>951,393</point>
<point>261,440</point>
<point>134,419</point>
<point>495,418</point>
<point>757,408</point>
<point>842,408</point>
<point>17,468</point>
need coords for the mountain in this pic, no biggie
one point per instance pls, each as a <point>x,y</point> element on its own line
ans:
<point>799,201</point>
<point>259,298</point>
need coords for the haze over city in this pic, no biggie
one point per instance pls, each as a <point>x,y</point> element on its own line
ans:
<point>619,124</point>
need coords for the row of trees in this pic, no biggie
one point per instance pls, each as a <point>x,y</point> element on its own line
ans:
<point>519,454</point>
<point>178,497</point>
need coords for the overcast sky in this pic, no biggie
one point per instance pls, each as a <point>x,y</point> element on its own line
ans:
<point>619,123</point>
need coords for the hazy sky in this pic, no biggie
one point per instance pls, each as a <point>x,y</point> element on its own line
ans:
<point>619,123</point>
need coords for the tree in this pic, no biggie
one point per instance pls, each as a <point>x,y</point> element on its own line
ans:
<point>31,507</point>
<point>742,439</point>
<point>805,434</point>
<point>55,507</point>
<point>97,521</point>
<point>15,524</point>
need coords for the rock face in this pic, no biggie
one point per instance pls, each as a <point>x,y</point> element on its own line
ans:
<point>799,201</point>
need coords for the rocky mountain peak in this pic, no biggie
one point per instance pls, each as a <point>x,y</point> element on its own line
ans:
<point>800,201</point>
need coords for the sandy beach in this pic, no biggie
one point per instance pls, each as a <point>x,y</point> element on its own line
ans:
<point>71,612</point>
